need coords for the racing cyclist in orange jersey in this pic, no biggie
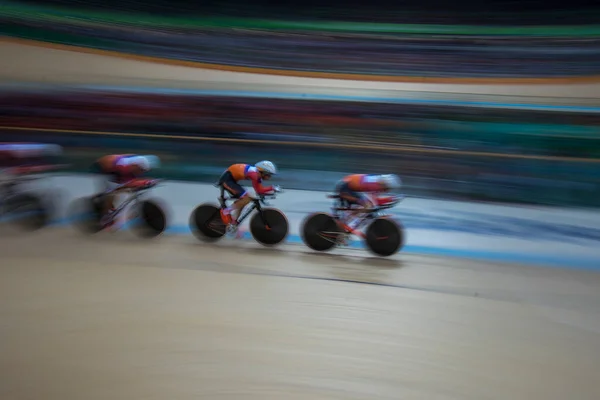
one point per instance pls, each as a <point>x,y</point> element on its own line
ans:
<point>263,170</point>
<point>121,172</point>
<point>18,159</point>
<point>354,190</point>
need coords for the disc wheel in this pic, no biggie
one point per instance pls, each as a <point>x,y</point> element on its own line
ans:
<point>26,212</point>
<point>270,229</point>
<point>320,232</point>
<point>384,237</point>
<point>206,223</point>
<point>152,219</point>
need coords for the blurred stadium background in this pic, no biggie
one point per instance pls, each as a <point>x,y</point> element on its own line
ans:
<point>547,154</point>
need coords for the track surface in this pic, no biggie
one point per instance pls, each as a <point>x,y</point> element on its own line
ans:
<point>117,317</point>
<point>546,236</point>
<point>64,67</point>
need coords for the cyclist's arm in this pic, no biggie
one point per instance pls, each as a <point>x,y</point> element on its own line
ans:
<point>257,184</point>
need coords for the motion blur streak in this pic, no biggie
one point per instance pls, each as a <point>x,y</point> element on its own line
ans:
<point>123,275</point>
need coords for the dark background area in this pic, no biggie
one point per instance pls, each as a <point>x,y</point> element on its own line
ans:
<point>445,152</point>
<point>472,12</point>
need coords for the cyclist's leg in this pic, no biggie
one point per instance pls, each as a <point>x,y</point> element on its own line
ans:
<point>347,195</point>
<point>237,192</point>
<point>111,189</point>
<point>355,215</point>
<point>353,198</point>
<point>348,199</point>
<point>340,188</point>
<point>103,185</point>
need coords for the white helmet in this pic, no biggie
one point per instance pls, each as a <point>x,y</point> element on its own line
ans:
<point>390,181</point>
<point>140,161</point>
<point>153,161</point>
<point>267,167</point>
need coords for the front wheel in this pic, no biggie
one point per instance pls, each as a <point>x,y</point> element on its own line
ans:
<point>152,219</point>
<point>320,232</point>
<point>384,237</point>
<point>269,226</point>
<point>206,223</point>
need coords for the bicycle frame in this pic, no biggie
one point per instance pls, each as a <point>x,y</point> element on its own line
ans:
<point>364,214</point>
<point>134,198</point>
<point>246,211</point>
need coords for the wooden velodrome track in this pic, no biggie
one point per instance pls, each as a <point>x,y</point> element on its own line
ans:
<point>119,318</point>
<point>115,317</point>
<point>42,63</point>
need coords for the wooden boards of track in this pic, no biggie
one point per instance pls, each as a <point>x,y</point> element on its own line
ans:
<point>37,62</point>
<point>121,318</point>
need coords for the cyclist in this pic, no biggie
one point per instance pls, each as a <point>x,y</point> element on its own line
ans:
<point>121,172</point>
<point>262,170</point>
<point>23,158</point>
<point>362,191</point>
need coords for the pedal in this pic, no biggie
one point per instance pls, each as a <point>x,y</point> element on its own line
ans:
<point>239,234</point>
<point>343,240</point>
<point>226,218</point>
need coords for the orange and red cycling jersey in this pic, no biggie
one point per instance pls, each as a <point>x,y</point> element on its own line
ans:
<point>113,164</point>
<point>110,164</point>
<point>364,183</point>
<point>23,158</point>
<point>241,172</point>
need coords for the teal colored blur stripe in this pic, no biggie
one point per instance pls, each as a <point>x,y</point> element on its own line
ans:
<point>56,14</point>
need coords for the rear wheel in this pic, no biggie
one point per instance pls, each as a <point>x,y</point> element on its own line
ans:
<point>206,223</point>
<point>320,232</point>
<point>26,211</point>
<point>152,220</point>
<point>269,226</point>
<point>384,237</point>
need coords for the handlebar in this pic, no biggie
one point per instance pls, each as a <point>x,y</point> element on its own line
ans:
<point>263,198</point>
<point>260,199</point>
